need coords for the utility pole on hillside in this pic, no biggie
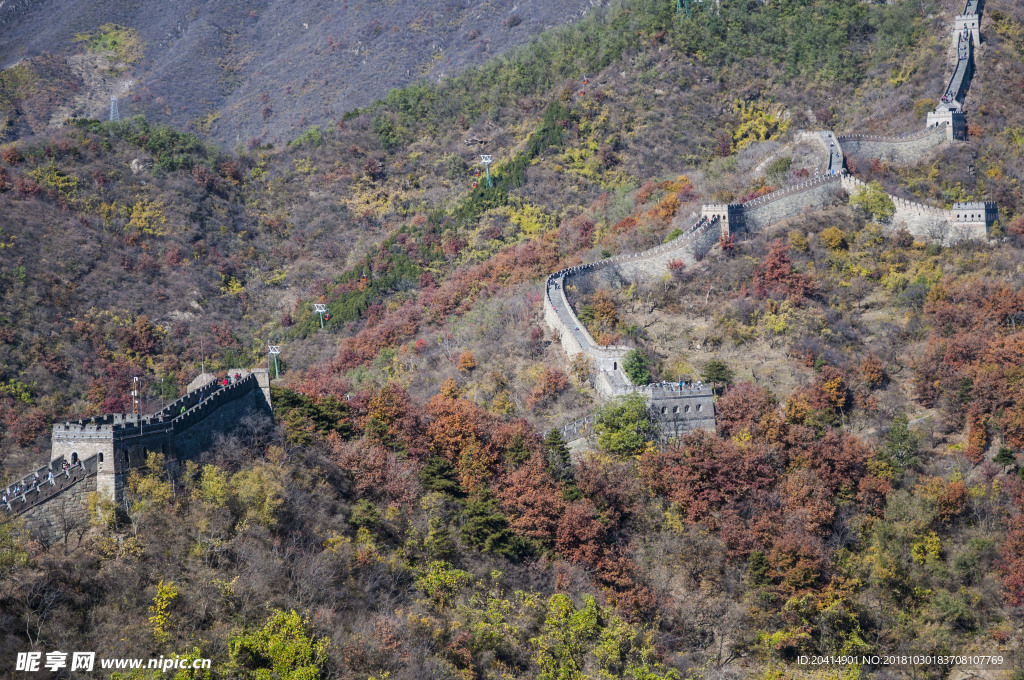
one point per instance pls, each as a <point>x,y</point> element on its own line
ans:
<point>320,309</point>
<point>115,115</point>
<point>274,351</point>
<point>485,160</point>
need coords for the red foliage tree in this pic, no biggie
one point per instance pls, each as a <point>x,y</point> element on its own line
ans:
<point>533,500</point>
<point>551,382</point>
<point>12,155</point>
<point>394,422</point>
<point>703,473</point>
<point>775,277</point>
<point>745,407</point>
<point>376,472</point>
<point>612,486</point>
<point>977,434</point>
<point>580,536</point>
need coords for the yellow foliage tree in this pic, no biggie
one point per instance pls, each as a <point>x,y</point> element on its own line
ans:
<point>147,218</point>
<point>759,122</point>
<point>158,615</point>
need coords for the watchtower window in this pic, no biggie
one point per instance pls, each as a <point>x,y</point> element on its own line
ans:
<point>101,457</point>
<point>74,457</point>
<point>615,365</point>
<point>675,409</point>
<point>686,409</point>
<point>698,407</point>
<point>664,410</point>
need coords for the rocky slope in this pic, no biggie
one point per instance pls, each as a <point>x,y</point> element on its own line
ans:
<point>270,68</point>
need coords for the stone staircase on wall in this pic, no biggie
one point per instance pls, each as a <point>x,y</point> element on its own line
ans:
<point>36,488</point>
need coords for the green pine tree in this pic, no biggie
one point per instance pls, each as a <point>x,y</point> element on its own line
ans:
<point>557,457</point>
<point>438,474</point>
<point>1005,457</point>
<point>486,529</point>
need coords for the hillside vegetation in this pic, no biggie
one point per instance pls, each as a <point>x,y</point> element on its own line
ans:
<point>405,516</point>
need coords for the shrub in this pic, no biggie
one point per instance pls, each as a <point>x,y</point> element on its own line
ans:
<point>833,238</point>
<point>11,155</point>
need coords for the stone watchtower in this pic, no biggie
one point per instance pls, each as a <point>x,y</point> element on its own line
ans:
<point>955,122</point>
<point>730,216</point>
<point>679,410</point>
<point>975,218</point>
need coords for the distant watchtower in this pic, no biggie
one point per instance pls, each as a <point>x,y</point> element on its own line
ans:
<point>730,216</point>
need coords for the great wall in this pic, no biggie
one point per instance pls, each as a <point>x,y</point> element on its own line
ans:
<point>96,455</point>
<point>680,409</point>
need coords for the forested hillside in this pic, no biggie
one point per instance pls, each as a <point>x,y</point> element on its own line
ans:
<point>404,515</point>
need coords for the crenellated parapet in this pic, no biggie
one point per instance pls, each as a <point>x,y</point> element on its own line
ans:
<point>964,221</point>
<point>677,408</point>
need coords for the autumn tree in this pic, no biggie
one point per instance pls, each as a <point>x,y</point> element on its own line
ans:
<point>533,500</point>
<point>467,362</point>
<point>977,434</point>
<point>703,473</point>
<point>834,238</point>
<point>776,277</point>
<point>872,371</point>
<point>745,408</point>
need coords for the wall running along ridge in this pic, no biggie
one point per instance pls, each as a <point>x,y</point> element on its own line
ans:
<point>905,149</point>
<point>610,379</point>
<point>964,221</point>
